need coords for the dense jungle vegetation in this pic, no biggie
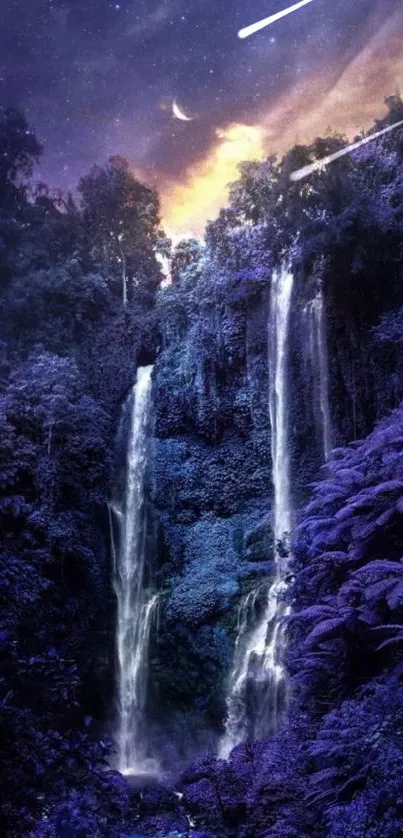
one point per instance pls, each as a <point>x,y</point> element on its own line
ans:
<point>81,307</point>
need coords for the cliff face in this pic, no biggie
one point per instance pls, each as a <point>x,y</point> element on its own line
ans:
<point>210,491</point>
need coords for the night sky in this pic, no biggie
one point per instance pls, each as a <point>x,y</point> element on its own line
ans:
<point>98,77</point>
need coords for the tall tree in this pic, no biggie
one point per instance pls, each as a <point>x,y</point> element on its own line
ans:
<point>19,150</point>
<point>122,222</point>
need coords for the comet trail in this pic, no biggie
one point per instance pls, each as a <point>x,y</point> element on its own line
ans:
<point>255,27</point>
<point>298,174</point>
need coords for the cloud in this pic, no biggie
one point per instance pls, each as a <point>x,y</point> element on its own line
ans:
<point>186,206</point>
<point>345,103</point>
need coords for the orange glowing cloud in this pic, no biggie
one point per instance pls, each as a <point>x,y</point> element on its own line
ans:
<point>345,103</point>
<point>186,206</point>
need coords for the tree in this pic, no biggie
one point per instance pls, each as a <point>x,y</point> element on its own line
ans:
<point>186,259</point>
<point>19,150</point>
<point>121,219</point>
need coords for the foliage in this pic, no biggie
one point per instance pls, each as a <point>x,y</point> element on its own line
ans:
<point>19,150</point>
<point>335,768</point>
<point>69,353</point>
<point>78,312</point>
<point>122,234</point>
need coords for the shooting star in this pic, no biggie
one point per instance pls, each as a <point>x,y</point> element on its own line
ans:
<point>255,27</point>
<point>298,174</point>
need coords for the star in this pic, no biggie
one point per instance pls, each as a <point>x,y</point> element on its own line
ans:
<point>90,77</point>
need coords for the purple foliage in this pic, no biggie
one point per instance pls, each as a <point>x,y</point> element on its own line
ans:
<point>70,351</point>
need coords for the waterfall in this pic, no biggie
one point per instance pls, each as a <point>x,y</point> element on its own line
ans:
<point>249,642</point>
<point>256,688</point>
<point>280,304</point>
<point>314,314</point>
<point>269,671</point>
<point>136,607</point>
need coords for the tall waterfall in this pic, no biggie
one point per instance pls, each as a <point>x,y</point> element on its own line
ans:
<point>281,292</point>
<point>135,606</point>
<point>256,690</point>
<point>314,313</point>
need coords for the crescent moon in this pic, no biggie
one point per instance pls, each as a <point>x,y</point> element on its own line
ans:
<point>179,114</point>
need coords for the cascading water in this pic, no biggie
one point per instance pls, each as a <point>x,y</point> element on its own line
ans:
<point>256,691</point>
<point>314,313</point>
<point>249,642</point>
<point>135,606</point>
<point>281,292</point>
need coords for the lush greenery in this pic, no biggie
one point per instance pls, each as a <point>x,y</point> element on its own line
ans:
<point>80,309</point>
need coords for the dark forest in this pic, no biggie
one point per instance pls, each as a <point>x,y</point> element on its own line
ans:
<point>84,305</point>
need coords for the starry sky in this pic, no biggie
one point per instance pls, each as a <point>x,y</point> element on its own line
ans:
<point>98,77</point>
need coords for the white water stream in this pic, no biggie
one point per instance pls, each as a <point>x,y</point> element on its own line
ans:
<point>259,650</point>
<point>314,313</point>
<point>136,608</point>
